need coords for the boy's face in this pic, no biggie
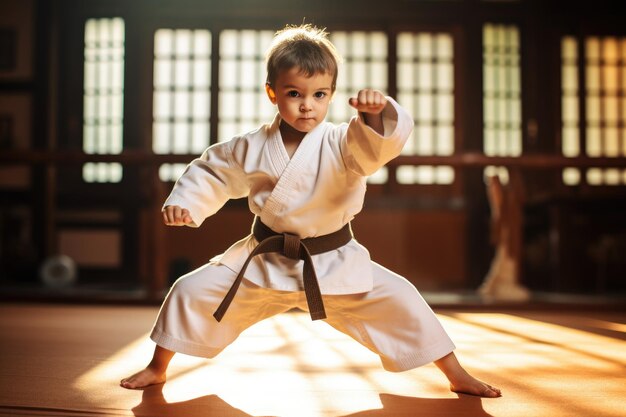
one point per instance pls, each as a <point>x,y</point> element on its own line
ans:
<point>302,101</point>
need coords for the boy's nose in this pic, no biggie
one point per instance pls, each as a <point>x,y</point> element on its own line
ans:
<point>305,106</point>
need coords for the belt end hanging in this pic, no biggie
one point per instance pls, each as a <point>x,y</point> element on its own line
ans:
<point>318,315</point>
<point>218,315</point>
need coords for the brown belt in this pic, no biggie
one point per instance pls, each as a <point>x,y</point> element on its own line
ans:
<point>292,247</point>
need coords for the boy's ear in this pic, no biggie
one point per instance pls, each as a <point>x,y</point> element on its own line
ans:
<point>270,93</point>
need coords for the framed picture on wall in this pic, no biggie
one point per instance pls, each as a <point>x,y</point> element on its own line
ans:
<point>8,49</point>
<point>6,131</point>
<point>15,134</point>
<point>17,40</point>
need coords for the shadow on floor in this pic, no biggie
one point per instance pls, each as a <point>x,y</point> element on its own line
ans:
<point>398,406</point>
<point>154,404</point>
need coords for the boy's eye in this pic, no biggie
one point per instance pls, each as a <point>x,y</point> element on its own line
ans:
<point>320,94</point>
<point>293,93</point>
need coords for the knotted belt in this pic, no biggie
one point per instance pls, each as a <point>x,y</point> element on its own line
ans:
<point>293,247</point>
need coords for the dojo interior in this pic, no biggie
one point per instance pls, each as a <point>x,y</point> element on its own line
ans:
<point>506,208</point>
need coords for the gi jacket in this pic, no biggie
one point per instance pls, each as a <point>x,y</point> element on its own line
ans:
<point>316,192</point>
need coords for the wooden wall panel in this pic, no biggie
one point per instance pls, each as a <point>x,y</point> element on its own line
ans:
<point>426,247</point>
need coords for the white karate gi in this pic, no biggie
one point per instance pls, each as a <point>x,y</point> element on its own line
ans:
<point>316,192</point>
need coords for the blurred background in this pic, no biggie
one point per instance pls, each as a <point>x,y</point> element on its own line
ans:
<point>513,182</point>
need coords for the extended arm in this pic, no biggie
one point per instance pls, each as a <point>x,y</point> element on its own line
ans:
<point>377,135</point>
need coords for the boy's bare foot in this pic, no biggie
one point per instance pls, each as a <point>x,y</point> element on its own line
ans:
<point>472,386</point>
<point>143,379</point>
<point>463,382</point>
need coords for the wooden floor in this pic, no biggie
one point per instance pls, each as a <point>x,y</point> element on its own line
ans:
<point>67,360</point>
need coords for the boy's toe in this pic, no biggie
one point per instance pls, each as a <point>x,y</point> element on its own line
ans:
<point>491,392</point>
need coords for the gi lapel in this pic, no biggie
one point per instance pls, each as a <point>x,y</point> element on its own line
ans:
<point>290,171</point>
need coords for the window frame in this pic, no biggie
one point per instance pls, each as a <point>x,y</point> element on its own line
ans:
<point>431,195</point>
<point>580,35</point>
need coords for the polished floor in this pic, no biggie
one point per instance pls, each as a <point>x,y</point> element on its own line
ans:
<point>66,360</point>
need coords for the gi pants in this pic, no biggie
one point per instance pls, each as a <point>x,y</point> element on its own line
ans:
<point>392,319</point>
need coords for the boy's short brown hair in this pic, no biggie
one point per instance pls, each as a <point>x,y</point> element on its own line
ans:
<point>306,47</point>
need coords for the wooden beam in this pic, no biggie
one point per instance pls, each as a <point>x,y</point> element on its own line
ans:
<point>466,159</point>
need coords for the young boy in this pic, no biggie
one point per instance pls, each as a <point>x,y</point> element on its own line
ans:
<point>305,180</point>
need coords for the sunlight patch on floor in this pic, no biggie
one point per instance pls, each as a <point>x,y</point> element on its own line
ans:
<point>289,363</point>
<point>568,369</point>
<point>573,341</point>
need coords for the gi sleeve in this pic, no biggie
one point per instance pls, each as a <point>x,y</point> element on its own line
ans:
<point>365,151</point>
<point>208,182</point>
